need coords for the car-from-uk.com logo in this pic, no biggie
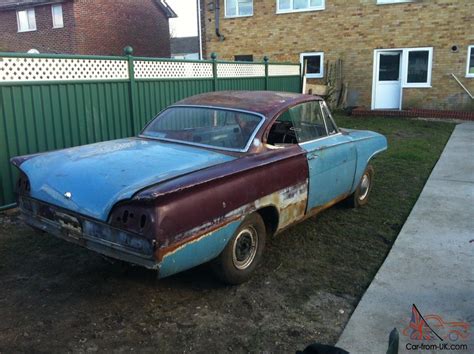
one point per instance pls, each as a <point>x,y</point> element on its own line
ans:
<point>433,333</point>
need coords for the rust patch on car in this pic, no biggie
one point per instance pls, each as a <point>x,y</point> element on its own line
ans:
<point>194,236</point>
<point>290,203</point>
<point>320,208</point>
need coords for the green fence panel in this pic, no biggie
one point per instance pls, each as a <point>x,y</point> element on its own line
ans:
<point>239,84</point>
<point>50,102</point>
<point>156,95</point>
<point>285,83</point>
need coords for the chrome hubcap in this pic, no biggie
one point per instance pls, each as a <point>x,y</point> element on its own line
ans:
<point>364,187</point>
<point>245,248</point>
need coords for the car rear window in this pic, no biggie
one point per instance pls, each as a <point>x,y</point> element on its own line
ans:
<point>213,127</point>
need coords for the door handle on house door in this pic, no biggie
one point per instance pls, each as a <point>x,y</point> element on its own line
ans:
<point>312,155</point>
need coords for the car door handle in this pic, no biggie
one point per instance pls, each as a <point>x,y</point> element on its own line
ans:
<point>312,155</point>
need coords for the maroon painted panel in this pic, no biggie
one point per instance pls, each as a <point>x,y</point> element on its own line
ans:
<point>200,198</point>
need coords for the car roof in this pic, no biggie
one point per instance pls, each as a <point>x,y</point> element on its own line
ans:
<point>267,103</point>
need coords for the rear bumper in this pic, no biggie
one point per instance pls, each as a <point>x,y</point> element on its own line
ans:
<point>91,234</point>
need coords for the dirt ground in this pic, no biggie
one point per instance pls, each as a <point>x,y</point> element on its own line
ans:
<point>57,297</point>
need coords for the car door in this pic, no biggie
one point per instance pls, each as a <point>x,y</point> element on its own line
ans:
<point>331,155</point>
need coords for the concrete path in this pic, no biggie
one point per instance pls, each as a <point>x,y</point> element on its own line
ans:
<point>431,263</point>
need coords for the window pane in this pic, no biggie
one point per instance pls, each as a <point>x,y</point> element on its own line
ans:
<point>245,7</point>
<point>231,7</point>
<point>389,68</point>
<point>22,21</point>
<point>243,57</point>
<point>284,4</point>
<point>308,122</point>
<point>31,19</point>
<point>316,3</point>
<point>300,4</point>
<point>418,67</point>
<point>57,16</point>
<point>471,61</point>
<point>205,126</point>
<point>313,64</point>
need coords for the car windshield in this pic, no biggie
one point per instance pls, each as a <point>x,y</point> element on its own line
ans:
<point>213,127</point>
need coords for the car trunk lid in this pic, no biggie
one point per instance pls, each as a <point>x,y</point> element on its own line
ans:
<point>90,179</point>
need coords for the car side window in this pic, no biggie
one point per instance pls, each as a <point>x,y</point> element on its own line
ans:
<point>282,133</point>
<point>308,121</point>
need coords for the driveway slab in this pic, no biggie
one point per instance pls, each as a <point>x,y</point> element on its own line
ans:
<point>430,264</point>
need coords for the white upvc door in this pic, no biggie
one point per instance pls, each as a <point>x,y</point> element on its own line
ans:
<point>388,80</point>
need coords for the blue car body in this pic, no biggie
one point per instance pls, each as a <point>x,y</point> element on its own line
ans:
<point>170,206</point>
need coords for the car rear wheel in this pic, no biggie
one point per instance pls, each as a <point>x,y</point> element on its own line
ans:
<point>361,195</point>
<point>243,252</point>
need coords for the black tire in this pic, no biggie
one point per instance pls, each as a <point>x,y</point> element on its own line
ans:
<point>361,195</point>
<point>243,252</point>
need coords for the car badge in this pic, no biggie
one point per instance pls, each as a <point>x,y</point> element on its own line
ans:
<point>68,195</point>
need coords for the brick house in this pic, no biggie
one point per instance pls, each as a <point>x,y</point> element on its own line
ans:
<point>99,27</point>
<point>396,53</point>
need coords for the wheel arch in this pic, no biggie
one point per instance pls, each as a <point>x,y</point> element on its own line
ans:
<point>270,217</point>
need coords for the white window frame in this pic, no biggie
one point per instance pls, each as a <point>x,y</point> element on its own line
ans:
<point>313,54</point>
<point>406,54</point>
<point>469,48</point>
<point>233,16</point>
<point>62,15</point>
<point>291,10</point>
<point>384,2</point>
<point>18,20</point>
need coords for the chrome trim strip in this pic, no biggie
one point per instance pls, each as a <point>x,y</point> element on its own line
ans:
<point>328,111</point>
<point>245,149</point>
<point>376,152</point>
<point>319,139</point>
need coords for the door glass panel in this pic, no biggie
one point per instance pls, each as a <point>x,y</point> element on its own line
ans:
<point>389,67</point>
<point>418,67</point>
<point>332,129</point>
<point>308,121</point>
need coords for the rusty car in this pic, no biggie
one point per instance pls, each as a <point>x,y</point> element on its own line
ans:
<point>207,180</point>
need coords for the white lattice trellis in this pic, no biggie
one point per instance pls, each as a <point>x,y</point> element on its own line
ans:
<point>56,69</point>
<point>172,70</point>
<point>240,70</point>
<point>283,70</point>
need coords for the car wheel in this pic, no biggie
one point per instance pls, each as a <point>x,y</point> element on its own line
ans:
<point>361,195</point>
<point>243,252</point>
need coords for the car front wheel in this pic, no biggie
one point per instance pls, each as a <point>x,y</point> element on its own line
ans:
<point>361,195</point>
<point>243,252</point>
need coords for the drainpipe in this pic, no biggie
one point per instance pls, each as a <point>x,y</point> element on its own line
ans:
<point>199,27</point>
<point>217,19</point>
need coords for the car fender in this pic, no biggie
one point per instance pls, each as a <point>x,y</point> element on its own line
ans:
<point>368,145</point>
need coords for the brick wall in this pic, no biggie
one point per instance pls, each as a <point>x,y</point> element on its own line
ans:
<point>107,26</point>
<point>99,27</point>
<point>351,30</point>
<point>45,38</point>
